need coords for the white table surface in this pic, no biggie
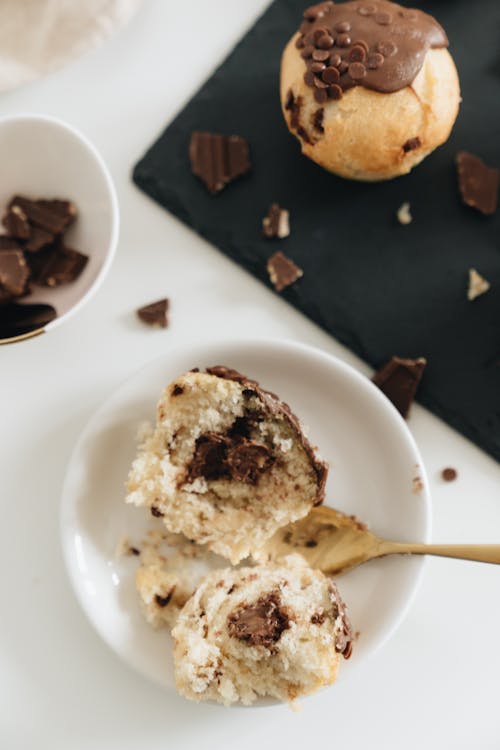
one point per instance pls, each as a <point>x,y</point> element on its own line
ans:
<point>434,685</point>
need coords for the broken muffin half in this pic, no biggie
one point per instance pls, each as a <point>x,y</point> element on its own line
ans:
<point>227,464</point>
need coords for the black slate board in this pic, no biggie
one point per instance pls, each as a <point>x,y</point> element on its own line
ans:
<point>378,287</point>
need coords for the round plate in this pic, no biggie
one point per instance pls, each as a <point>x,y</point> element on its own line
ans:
<point>375,472</point>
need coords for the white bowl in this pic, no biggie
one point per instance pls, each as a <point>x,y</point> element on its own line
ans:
<point>375,472</point>
<point>43,157</point>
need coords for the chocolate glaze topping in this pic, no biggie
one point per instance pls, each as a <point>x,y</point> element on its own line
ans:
<point>379,45</point>
<point>277,407</point>
<point>260,623</point>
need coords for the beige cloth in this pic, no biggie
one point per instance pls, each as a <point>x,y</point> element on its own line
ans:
<point>39,36</point>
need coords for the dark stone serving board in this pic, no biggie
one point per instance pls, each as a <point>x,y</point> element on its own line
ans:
<point>378,287</point>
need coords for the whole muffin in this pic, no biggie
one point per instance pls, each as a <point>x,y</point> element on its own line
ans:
<point>227,464</point>
<point>276,630</point>
<point>369,88</point>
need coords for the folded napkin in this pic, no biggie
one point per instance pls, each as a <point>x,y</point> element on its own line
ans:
<point>39,36</point>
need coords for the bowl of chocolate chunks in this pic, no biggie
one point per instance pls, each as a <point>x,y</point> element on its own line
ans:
<point>59,224</point>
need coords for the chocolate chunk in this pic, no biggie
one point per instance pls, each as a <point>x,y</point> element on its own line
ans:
<point>343,642</point>
<point>282,271</point>
<point>53,216</point>
<point>16,223</point>
<point>411,144</point>
<point>318,618</point>
<point>330,75</point>
<point>56,265</point>
<point>318,119</point>
<point>449,474</point>
<point>399,380</point>
<point>16,319</point>
<point>156,513</point>
<point>260,623</point>
<point>162,601</point>
<point>38,239</point>
<point>477,285</point>
<point>478,183</point>
<point>276,223</point>
<point>14,274</point>
<point>177,390</point>
<point>218,159</point>
<point>155,314</point>
<point>227,373</point>
<point>218,456</point>
<point>357,71</point>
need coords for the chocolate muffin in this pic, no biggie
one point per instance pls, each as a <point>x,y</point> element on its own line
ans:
<point>369,88</point>
<point>227,464</point>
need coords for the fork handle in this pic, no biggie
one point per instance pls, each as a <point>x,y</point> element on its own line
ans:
<point>489,553</point>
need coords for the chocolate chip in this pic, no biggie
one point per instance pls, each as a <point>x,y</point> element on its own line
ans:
<point>134,551</point>
<point>387,48</point>
<point>399,380</point>
<point>155,512</point>
<point>319,83</point>
<point>343,40</point>
<point>311,543</point>
<point>309,78</point>
<point>218,159</point>
<point>330,75</point>
<point>320,55</point>
<point>293,105</point>
<point>342,27</point>
<point>325,42</point>
<point>226,456</point>
<point>301,131</point>
<point>335,92</point>
<point>320,95</point>
<point>318,618</point>
<point>411,144</point>
<point>162,601</point>
<point>357,71</point>
<point>384,19</point>
<point>282,271</point>
<point>317,67</point>
<point>155,314</point>
<point>300,43</point>
<point>374,61</point>
<point>478,183</point>
<point>357,54</point>
<point>367,10</point>
<point>343,67</point>
<point>449,474</point>
<point>318,118</point>
<point>307,51</point>
<point>261,623</point>
<point>335,60</point>
<point>276,223</point>
<point>177,390</point>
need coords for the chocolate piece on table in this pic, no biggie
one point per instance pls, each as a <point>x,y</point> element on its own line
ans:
<point>14,274</point>
<point>16,223</point>
<point>218,159</point>
<point>155,314</point>
<point>53,216</point>
<point>276,224</point>
<point>477,285</point>
<point>399,379</point>
<point>449,474</point>
<point>282,271</point>
<point>56,265</point>
<point>16,319</point>
<point>478,183</point>
<point>38,239</point>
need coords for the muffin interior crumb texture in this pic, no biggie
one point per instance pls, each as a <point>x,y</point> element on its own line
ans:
<point>227,465</point>
<point>276,630</point>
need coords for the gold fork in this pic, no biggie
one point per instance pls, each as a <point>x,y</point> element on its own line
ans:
<point>334,542</point>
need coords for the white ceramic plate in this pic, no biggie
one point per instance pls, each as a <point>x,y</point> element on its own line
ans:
<point>376,472</point>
